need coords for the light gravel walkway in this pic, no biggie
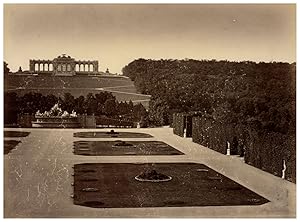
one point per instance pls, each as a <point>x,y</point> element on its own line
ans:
<point>37,178</point>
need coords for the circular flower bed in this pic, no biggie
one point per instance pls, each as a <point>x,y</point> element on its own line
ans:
<point>152,176</point>
<point>112,132</point>
<point>122,143</point>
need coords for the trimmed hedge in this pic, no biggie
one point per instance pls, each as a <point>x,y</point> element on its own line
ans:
<point>25,120</point>
<point>109,122</point>
<point>178,124</point>
<point>182,120</point>
<point>214,135</point>
<point>263,149</point>
<point>267,150</point>
<point>87,121</point>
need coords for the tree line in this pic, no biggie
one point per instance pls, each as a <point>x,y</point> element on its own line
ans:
<point>100,104</point>
<point>263,93</point>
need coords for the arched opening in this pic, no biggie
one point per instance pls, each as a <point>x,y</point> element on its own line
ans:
<point>41,67</point>
<point>69,68</point>
<point>59,67</point>
<point>64,68</point>
<point>36,67</point>
<point>91,68</point>
<point>77,68</point>
<point>86,67</point>
<point>81,67</point>
<point>50,67</point>
<point>46,67</point>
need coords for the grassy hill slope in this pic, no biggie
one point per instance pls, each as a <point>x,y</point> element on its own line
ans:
<point>121,87</point>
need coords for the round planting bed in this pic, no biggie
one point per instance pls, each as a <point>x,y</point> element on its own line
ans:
<point>122,144</point>
<point>152,176</point>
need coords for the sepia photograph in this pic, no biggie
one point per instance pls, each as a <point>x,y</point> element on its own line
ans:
<point>149,110</point>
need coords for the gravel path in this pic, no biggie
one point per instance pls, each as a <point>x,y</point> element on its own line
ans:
<point>37,178</point>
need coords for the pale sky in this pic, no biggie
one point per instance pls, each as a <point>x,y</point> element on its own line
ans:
<point>117,34</point>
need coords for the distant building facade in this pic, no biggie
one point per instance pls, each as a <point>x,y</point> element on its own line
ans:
<point>63,66</point>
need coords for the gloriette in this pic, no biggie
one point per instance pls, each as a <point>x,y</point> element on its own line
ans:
<point>63,66</point>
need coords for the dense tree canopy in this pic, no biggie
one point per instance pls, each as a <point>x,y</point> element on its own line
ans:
<point>101,104</point>
<point>229,91</point>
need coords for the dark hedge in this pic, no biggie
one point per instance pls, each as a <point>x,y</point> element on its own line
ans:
<point>261,148</point>
<point>214,135</point>
<point>182,121</point>
<point>178,124</point>
<point>267,150</point>
<point>25,120</point>
<point>110,122</point>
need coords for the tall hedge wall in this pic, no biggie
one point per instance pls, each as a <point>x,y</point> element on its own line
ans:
<point>263,149</point>
<point>214,135</point>
<point>178,124</point>
<point>182,121</point>
<point>267,150</point>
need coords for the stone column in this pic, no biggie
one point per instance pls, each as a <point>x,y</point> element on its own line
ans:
<point>92,67</point>
<point>95,66</point>
<point>31,65</point>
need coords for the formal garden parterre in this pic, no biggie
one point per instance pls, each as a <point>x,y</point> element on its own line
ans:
<point>107,185</point>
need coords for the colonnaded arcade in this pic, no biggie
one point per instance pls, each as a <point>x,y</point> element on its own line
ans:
<point>63,65</point>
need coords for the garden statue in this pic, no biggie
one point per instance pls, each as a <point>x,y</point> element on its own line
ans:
<point>56,118</point>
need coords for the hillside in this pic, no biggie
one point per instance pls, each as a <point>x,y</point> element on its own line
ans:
<point>229,91</point>
<point>121,87</point>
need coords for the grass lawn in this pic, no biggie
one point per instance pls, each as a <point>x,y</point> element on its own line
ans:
<point>108,134</point>
<point>58,82</point>
<point>117,148</point>
<point>113,185</point>
<point>122,88</point>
